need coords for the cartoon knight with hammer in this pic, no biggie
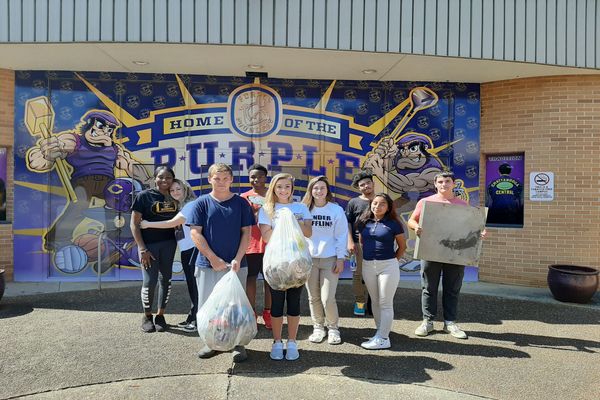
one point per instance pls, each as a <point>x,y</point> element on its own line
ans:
<point>85,159</point>
<point>408,162</point>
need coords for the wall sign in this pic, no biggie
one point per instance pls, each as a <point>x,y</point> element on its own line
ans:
<point>541,186</point>
<point>504,178</point>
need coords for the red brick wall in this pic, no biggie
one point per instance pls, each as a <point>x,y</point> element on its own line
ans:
<point>7,84</point>
<point>555,121</point>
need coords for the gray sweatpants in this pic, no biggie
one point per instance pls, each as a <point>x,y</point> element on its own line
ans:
<point>207,278</point>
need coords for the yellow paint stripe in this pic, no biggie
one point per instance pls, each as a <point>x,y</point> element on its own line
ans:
<point>145,136</point>
<point>442,147</point>
<point>124,116</point>
<point>31,232</point>
<point>188,99</point>
<point>322,105</point>
<point>57,190</point>
<point>382,122</point>
<point>354,141</point>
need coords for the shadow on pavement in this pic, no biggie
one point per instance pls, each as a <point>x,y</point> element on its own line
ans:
<point>407,305</point>
<point>406,344</point>
<point>548,342</point>
<point>385,369</point>
<point>14,310</point>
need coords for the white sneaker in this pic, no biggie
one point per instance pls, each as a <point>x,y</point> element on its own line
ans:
<point>291,352</point>
<point>376,343</point>
<point>317,336</point>
<point>454,330</point>
<point>333,336</point>
<point>425,328</point>
<point>276,351</point>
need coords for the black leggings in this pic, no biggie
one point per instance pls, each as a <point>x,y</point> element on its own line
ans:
<point>188,260</point>
<point>279,297</point>
<point>161,267</point>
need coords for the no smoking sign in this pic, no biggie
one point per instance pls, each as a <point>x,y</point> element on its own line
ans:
<point>541,186</point>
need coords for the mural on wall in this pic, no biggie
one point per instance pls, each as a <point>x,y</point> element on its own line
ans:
<point>85,143</point>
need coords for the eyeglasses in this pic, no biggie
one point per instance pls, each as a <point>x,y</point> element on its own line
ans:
<point>108,128</point>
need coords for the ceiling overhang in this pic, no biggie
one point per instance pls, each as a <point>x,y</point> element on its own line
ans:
<point>291,63</point>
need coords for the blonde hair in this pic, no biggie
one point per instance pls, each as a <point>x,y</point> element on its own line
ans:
<point>188,193</point>
<point>308,198</point>
<point>271,197</point>
<point>219,167</point>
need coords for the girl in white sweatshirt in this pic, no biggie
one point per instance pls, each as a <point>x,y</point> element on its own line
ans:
<point>328,250</point>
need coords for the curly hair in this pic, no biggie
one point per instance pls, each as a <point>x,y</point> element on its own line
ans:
<point>360,176</point>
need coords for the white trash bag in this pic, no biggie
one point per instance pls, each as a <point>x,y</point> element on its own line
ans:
<point>287,261</point>
<point>226,319</point>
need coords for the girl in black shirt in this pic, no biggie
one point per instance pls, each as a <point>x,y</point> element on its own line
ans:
<point>156,246</point>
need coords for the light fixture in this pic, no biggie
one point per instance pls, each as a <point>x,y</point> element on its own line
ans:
<point>140,63</point>
<point>255,66</point>
<point>369,71</point>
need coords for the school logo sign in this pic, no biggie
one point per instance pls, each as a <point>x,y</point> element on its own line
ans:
<point>254,111</point>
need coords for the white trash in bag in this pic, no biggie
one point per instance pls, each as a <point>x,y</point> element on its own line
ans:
<point>226,319</point>
<point>287,261</point>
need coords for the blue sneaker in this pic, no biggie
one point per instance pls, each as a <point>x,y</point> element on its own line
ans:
<point>276,351</point>
<point>359,309</point>
<point>291,352</point>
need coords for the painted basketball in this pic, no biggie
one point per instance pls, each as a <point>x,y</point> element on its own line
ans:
<point>89,243</point>
<point>70,259</point>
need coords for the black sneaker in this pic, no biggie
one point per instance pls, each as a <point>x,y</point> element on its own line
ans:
<point>147,324</point>
<point>191,327</point>
<point>187,321</point>
<point>160,323</point>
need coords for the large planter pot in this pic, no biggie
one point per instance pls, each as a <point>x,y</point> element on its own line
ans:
<point>2,283</point>
<point>572,283</point>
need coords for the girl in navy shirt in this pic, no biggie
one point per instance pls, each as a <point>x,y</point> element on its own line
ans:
<point>380,230</point>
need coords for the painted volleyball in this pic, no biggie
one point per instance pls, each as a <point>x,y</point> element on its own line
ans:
<point>70,259</point>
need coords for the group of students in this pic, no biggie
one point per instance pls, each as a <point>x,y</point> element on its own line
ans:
<point>221,230</point>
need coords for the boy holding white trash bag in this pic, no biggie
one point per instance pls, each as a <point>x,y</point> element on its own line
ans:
<point>226,319</point>
<point>287,262</point>
<point>220,228</point>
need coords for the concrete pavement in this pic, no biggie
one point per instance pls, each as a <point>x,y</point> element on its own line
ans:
<point>87,344</point>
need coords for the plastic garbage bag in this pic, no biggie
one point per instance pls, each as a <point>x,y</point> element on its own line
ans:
<point>226,319</point>
<point>287,262</point>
